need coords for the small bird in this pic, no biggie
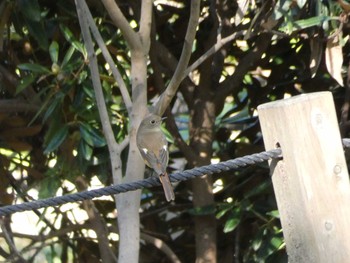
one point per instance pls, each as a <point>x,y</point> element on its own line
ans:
<point>153,147</point>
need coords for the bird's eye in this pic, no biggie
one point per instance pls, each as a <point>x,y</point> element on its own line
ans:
<point>153,121</point>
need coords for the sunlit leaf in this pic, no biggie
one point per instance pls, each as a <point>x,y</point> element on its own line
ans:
<point>301,3</point>
<point>316,47</point>
<point>233,221</point>
<point>282,6</point>
<point>223,210</point>
<point>242,9</point>
<point>291,26</point>
<point>274,213</point>
<point>276,242</point>
<point>54,49</point>
<point>334,59</point>
<point>231,224</point>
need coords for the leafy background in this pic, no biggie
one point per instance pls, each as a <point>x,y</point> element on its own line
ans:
<point>51,138</point>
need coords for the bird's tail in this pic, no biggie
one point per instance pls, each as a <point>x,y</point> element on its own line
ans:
<point>167,187</point>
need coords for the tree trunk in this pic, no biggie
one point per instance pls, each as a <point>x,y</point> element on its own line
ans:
<point>128,204</point>
<point>201,131</point>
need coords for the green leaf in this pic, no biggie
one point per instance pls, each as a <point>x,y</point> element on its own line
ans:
<point>282,6</point>
<point>57,139</point>
<point>223,210</point>
<point>168,135</point>
<point>54,50</point>
<point>291,26</point>
<point>37,30</point>
<point>85,150</point>
<point>231,224</point>
<point>34,68</point>
<point>30,9</point>
<point>50,109</point>
<point>68,56</point>
<point>68,35</point>
<point>49,186</point>
<point>257,241</point>
<point>258,190</point>
<point>276,242</point>
<point>24,83</point>
<point>301,3</point>
<point>91,136</point>
<point>274,213</point>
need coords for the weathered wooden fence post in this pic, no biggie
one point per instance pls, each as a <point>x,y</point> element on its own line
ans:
<point>311,182</point>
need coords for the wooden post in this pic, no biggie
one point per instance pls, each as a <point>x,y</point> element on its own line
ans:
<point>311,182</point>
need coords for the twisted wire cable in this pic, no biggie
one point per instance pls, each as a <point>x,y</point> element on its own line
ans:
<point>149,182</point>
<point>146,183</point>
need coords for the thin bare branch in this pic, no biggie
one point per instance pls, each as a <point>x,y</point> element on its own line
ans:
<point>116,74</point>
<point>100,101</point>
<point>218,45</point>
<point>175,81</point>
<point>161,245</point>
<point>6,230</point>
<point>98,224</point>
<point>187,150</point>
<point>131,37</point>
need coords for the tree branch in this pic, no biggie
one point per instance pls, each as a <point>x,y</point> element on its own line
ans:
<point>102,109</point>
<point>116,74</point>
<point>131,37</point>
<point>246,63</point>
<point>169,62</point>
<point>218,45</point>
<point>187,150</point>
<point>146,23</point>
<point>98,224</point>
<point>175,81</point>
<point>162,246</point>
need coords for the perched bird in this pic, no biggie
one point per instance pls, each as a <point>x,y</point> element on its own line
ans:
<point>153,147</point>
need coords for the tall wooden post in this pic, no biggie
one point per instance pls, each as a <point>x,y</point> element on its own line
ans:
<point>311,182</point>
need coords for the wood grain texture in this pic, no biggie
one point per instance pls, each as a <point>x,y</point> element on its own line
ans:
<point>311,183</point>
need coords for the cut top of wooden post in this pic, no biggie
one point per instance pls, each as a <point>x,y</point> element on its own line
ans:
<point>311,183</point>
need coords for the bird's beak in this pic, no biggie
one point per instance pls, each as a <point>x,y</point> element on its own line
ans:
<point>164,118</point>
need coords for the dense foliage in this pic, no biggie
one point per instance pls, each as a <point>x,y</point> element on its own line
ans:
<point>51,140</point>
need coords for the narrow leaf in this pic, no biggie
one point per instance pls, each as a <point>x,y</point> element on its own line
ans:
<point>85,150</point>
<point>34,68</point>
<point>242,9</point>
<point>53,49</point>
<point>316,47</point>
<point>231,224</point>
<point>57,139</point>
<point>91,135</point>
<point>24,83</point>
<point>30,9</point>
<point>334,59</point>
